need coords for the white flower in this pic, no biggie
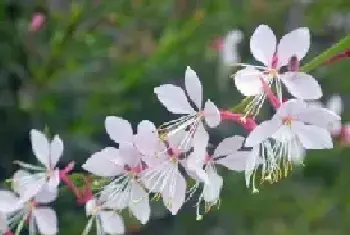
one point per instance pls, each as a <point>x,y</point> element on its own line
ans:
<point>202,167</point>
<point>124,165</point>
<point>263,46</point>
<point>293,128</point>
<point>229,52</point>
<point>334,104</point>
<point>29,211</point>
<point>163,156</point>
<point>46,177</point>
<point>175,100</point>
<point>108,221</point>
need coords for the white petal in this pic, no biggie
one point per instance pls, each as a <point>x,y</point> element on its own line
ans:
<point>197,173</point>
<point>107,162</point>
<point>211,191</point>
<point>46,220</point>
<point>265,130</point>
<point>312,137</point>
<point>118,129</point>
<point>211,114</point>
<point>46,194</point>
<point>3,223</point>
<point>41,147</point>
<point>291,108</point>
<point>248,81</point>
<point>229,146</point>
<point>148,143</point>
<point>9,202</point>
<point>263,44</point>
<point>319,116</point>
<point>296,43</point>
<point>200,139</point>
<point>335,104</point>
<point>28,185</point>
<point>194,165</point>
<point>56,150</point>
<point>90,206</point>
<point>193,87</point>
<point>54,180</point>
<point>236,161</point>
<point>175,193</point>
<point>302,85</point>
<point>139,203</point>
<point>112,199</point>
<point>131,156</point>
<point>174,99</point>
<point>112,223</point>
<point>252,163</point>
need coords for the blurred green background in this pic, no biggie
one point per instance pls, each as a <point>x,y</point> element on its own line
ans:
<point>92,58</point>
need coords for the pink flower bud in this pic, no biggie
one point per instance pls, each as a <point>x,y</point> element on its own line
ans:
<point>38,20</point>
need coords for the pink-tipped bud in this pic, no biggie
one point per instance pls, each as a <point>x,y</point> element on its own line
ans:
<point>38,20</point>
<point>345,134</point>
<point>217,44</point>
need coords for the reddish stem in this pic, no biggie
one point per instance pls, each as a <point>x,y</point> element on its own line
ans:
<point>340,56</point>
<point>87,193</point>
<point>272,98</point>
<point>68,181</point>
<point>247,122</point>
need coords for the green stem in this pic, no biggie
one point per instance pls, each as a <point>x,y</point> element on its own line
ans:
<point>337,48</point>
<point>58,45</point>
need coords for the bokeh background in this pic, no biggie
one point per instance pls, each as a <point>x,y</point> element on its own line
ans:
<point>89,59</point>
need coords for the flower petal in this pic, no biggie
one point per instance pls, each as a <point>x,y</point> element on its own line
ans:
<point>90,206</point>
<point>335,104</point>
<point>229,146</point>
<point>147,139</point>
<point>54,180</point>
<point>312,137</point>
<point>131,156</point>
<point>263,44</point>
<point>265,130</point>
<point>211,191</point>
<point>118,129</point>
<point>211,114</point>
<point>236,161</point>
<point>46,220</point>
<point>46,194</point>
<point>28,185</point>
<point>56,150</point>
<point>175,193</point>
<point>319,116</point>
<point>174,99</point>
<point>296,43</point>
<point>291,108</point>
<point>3,223</point>
<point>193,87</point>
<point>107,162</point>
<point>112,223</point>
<point>40,146</point>
<point>302,85</point>
<point>248,82</point>
<point>139,203</point>
<point>9,202</point>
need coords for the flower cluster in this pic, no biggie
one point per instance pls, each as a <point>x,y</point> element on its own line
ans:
<point>176,161</point>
